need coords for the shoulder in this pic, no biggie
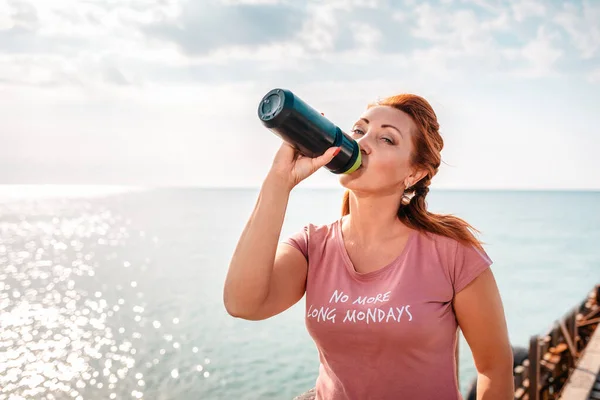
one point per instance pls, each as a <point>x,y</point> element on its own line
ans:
<point>448,246</point>
<point>322,228</point>
<point>442,246</point>
<point>461,261</point>
<point>313,236</point>
<point>319,234</point>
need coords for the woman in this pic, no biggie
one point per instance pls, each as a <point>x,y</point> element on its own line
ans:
<point>388,284</point>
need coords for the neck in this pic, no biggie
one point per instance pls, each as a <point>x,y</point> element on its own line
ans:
<point>373,218</point>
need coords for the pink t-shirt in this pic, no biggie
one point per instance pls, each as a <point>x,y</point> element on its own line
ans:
<point>390,333</point>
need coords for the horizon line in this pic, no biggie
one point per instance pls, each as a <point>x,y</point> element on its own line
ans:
<point>258,186</point>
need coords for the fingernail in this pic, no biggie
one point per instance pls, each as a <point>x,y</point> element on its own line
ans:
<point>323,114</point>
<point>337,151</point>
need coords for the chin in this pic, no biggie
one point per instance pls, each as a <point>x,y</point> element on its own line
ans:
<point>352,181</point>
<point>357,182</point>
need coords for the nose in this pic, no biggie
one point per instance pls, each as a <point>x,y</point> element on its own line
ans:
<point>363,143</point>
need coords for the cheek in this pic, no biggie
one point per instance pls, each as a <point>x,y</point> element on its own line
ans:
<point>393,166</point>
<point>383,170</point>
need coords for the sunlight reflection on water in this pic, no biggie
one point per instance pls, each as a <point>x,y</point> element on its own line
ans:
<point>54,337</point>
<point>62,336</point>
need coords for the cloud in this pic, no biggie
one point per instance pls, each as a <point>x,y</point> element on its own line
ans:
<point>320,29</point>
<point>582,24</point>
<point>21,32</point>
<point>23,14</point>
<point>541,52</point>
<point>594,76</point>
<point>538,57</point>
<point>92,42</point>
<point>487,5</point>
<point>144,42</point>
<point>312,28</point>
<point>523,9</point>
<point>456,40</point>
<point>366,36</point>
<point>132,90</point>
<point>203,26</point>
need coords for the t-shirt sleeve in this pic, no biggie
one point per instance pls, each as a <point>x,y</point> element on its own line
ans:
<point>469,263</point>
<point>299,240</point>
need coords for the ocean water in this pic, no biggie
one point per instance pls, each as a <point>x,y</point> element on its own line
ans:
<point>120,296</point>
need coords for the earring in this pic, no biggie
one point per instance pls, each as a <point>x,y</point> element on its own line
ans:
<point>406,198</point>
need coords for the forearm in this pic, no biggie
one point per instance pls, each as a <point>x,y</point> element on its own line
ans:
<point>249,274</point>
<point>495,384</point>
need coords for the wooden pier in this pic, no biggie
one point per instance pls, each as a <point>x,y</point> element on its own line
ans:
<point>564,363</point>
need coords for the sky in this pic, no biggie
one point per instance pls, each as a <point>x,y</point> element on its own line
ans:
<point>165,92</point>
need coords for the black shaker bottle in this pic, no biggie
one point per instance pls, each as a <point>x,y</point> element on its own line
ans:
<point>290,118</point>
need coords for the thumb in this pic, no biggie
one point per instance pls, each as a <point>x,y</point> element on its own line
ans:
<point>326,157</point>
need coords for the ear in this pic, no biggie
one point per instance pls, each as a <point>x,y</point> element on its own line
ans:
<point>416,176</point>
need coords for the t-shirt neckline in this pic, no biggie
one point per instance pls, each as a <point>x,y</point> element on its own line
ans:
<point>339,238</point>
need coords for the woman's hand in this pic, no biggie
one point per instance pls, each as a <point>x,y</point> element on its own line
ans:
<point>290,167</point>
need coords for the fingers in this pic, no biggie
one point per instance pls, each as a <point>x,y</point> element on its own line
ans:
<point>326,157</point>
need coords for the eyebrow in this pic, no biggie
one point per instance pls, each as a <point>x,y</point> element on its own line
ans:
<point>385,126</point>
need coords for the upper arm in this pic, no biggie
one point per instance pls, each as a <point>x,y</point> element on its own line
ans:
<point>288,282</point>
<point>480,315</point>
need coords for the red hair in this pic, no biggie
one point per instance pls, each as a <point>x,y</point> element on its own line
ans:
<point>427,144</point>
